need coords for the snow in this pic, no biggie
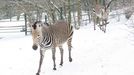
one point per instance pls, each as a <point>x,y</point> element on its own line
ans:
<point>93,52</point>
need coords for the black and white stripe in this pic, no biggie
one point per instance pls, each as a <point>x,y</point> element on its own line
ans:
<point>47,41</point>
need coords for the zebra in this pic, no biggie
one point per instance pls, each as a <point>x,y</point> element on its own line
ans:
<point>51,36</point>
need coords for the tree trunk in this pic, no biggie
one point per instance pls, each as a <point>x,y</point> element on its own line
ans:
<point>46,18</point>
<point>79,14</point>
<point>61,13</point>
<point>69,12</point>
<point>74,15</point>
<point>39,15</point>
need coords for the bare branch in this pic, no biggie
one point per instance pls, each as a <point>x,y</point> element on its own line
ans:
<point>109,4</point>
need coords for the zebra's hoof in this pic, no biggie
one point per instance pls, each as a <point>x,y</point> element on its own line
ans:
<point>70,59</point>
<point>54,68</point>
<point>61,64</point>
<point>37,74</point>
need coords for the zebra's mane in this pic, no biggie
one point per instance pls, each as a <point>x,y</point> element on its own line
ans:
<point>45,23</point>
<point>35,24</point>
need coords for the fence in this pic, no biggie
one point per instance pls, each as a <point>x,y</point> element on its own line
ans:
<point>14,29</point>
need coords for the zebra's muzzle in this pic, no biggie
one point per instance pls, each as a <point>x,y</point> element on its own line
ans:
<point>34,47</point>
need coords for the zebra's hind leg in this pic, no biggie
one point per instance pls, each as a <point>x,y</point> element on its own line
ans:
<point>69,48</point>
<point>53,57</point>
<point>61,52</point>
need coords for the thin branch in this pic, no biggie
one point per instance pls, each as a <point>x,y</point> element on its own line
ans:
<point>109,4</point>
<point>55,6</point>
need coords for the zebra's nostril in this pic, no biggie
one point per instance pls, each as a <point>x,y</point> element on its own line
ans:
<point>34,47</point>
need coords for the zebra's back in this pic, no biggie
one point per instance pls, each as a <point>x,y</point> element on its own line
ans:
<point>61,32</point>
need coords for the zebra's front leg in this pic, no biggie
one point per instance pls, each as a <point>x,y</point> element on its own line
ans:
<point>40,62</point>
<point>61,52</point>
<point>53,57</point>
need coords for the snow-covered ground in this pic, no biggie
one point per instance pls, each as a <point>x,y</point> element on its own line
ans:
<point>93,52</point>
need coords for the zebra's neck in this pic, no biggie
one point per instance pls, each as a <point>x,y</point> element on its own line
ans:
<point>46,41</point>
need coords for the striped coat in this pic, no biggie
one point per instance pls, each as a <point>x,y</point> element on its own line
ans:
<point>51,36</point>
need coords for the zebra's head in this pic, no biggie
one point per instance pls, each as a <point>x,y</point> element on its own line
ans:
<point>36,33</point>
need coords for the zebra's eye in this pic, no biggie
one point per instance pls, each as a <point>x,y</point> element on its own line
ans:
<point>34,26</point>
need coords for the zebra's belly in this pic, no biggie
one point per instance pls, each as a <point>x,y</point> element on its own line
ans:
<point>60,38</point>
<point>60,42</point>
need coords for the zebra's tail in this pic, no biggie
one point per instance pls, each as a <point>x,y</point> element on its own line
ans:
<point>70,29</point>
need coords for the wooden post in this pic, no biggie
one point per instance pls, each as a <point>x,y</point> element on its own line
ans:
<point>25,17</point>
